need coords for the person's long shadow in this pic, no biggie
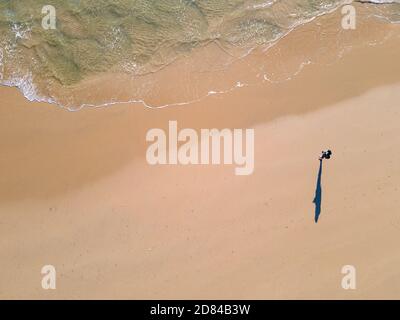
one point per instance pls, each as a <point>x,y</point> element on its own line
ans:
<point>318,194</point>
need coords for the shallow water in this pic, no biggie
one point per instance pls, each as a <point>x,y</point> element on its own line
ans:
<point>136,37</point>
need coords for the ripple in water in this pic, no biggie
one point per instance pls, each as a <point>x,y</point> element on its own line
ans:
<point>130,41</point>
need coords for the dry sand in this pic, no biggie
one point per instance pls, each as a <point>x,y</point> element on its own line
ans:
<point>77,193</point>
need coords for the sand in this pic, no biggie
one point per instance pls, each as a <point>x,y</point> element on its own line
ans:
<point>76,192</point>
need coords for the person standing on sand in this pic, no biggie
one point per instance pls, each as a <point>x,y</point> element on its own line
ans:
<point>325,155</point>
<point>318,190</point>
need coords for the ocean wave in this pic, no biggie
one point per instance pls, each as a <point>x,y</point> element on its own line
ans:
<point>139,39</point>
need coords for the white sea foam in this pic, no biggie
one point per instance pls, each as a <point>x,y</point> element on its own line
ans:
<point>21,31</point>
<point>27,87</point>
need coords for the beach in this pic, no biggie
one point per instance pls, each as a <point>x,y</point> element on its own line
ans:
<point>77,193</point>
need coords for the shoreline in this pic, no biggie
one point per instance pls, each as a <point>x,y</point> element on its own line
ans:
<point>205,58</point>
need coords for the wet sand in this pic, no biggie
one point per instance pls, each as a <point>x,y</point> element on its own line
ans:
<point>76,191</point>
